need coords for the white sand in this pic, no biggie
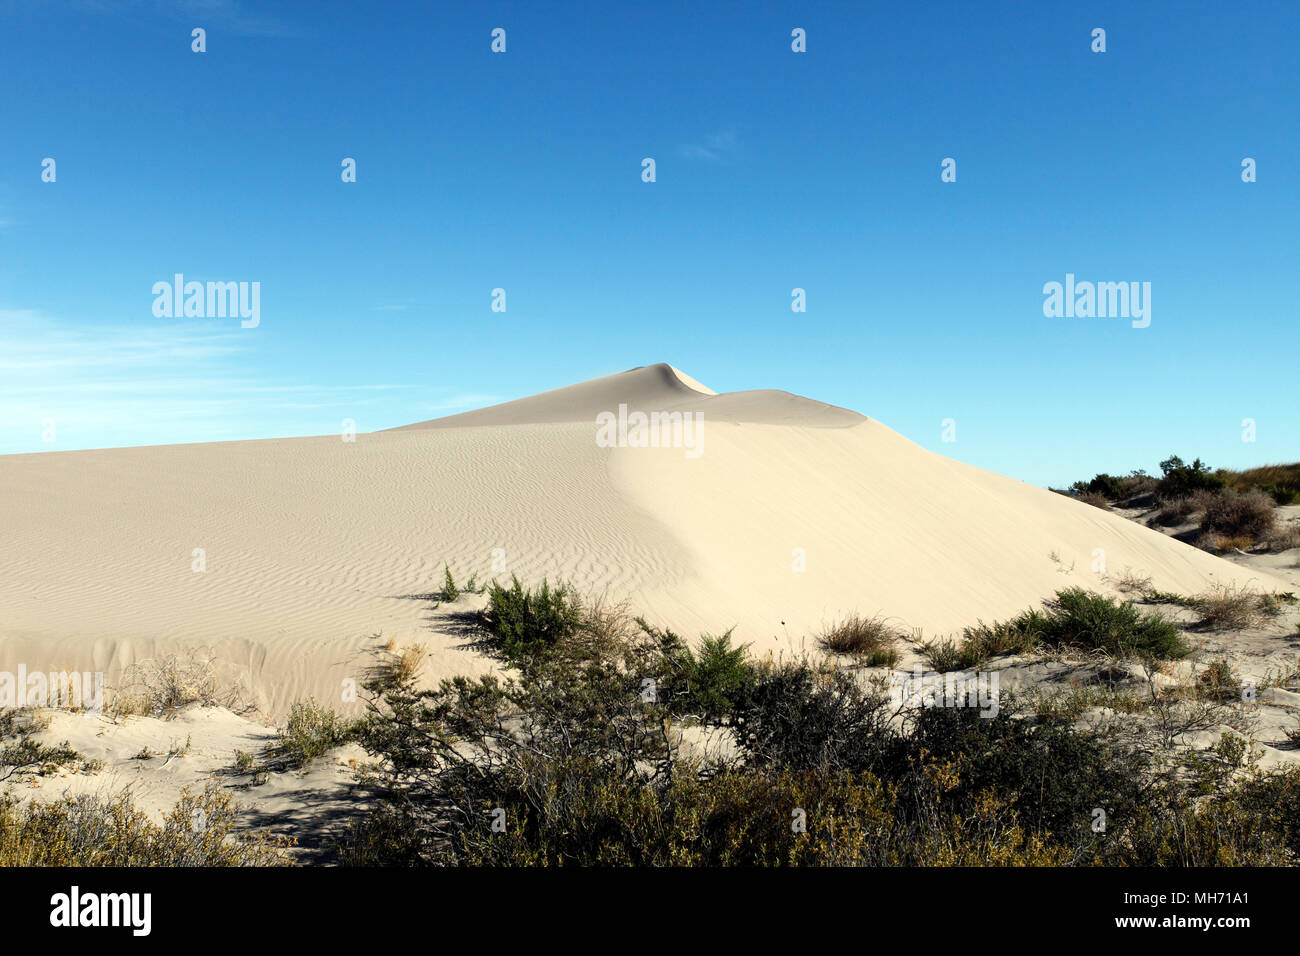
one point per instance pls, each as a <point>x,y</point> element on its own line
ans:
<point>314,544</point>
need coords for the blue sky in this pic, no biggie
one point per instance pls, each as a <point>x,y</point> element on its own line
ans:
<point>775,170</point>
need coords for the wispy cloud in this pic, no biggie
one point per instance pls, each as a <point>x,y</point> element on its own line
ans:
<point>714,148</point>
<point>215,16</point>
<point>120,385</point>
<point>393,305</point>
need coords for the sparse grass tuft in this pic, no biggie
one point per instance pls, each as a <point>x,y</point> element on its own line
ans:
<point>1130,582</point>
<point>872,639</point>
<point>1231,608</point>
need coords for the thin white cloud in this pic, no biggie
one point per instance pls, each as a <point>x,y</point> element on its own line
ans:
<point>115,385</point>
<point>714,148</point>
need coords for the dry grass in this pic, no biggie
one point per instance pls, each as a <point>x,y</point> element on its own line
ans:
<point>1282,482</point>
<point>1229,608</point>
<point>1224,543</point>
<point>1174,512</point>
<point>407,661</point>
<point>1235,514</point>
<point>159,687</point>
<point>1096,499</point>
<point>1130,582</point>
<point>871,638</point>
<point>1285,538</point>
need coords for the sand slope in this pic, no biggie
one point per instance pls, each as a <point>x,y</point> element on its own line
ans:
<point>314,544</point>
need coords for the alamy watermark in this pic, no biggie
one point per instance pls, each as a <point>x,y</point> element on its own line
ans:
<point>954,689</point>
<point>655,430</point>
<point>55,689</point>
<point>1102,300</point>
<point>208,300</point>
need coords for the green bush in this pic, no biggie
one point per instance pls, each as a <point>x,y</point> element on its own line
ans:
<point>523,621</point>
<point>1052,775</point>
<point>1114,487</point>
<point>1181,479</point>
<point>1105,485</point>
<point>1085,619</point>
<point>716,678</point>
<point>796,717</point>
<point>311,731</point>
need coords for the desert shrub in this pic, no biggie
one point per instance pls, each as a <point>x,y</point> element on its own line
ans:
<point>1285,538</point>
<point>565,766</point>
<point>1051,774</point>
<point>985,641</point>
<point>1180,480</point>
<point>1116,487</point>
<point>311,731</point>
<point>1096,499</point>
<point>945,655</point>
<point>1248,514</point>
<point>93,831</point>
<point>1137,482</point>
<point>1218,682</point>
<point>576,706</point>
<point>1252,822</point>
<point>520,621</point>
<point>799,717</point>
<point>871,638</point>
<point>1085,619</point>
<point>1282,482</point>
<point>1282,494</point>
<point>1223,543</point>
<point>22,754</point>
<point>1174,511</point>
<point>566,760</point>
<point>1273,603</point>
<point>1103,486</point>
<point>744,818</point>
<point>712,680</point>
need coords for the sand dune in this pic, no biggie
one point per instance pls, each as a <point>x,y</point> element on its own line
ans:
<point>313,544</point>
